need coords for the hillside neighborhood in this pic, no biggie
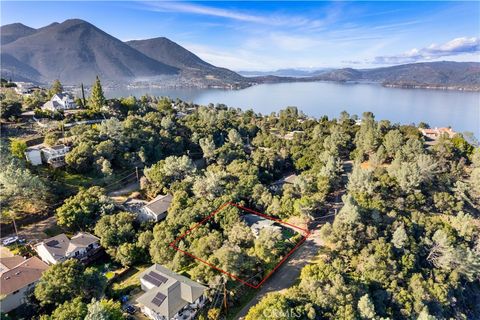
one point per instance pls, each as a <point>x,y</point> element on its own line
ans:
<point>336,178</point>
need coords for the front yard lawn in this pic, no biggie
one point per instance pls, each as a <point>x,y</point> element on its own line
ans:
<point>125,283</point>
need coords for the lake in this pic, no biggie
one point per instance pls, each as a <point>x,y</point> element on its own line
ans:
<point>438,108</point>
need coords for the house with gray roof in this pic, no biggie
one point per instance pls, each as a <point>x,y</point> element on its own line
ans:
<point>257,223</point>
<point>59,248</point>
<point>60,101</point>
<point>18,277</point>
<point>156,209</point>
<point>169,295</point>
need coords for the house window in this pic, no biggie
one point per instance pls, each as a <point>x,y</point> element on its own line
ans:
<point>16,291</point>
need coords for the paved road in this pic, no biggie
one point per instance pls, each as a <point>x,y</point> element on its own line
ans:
<point>35,231</point>
<point>288,273</point>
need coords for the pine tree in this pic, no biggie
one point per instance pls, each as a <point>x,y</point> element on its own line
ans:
<point>97,98</point>
<point>56,88</point>
<point>84,101</point>
<point>366,307</point>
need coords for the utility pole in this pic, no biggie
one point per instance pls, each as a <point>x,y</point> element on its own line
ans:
<point>136,173</point>
<point>12,215</point>
<point>225,296</point>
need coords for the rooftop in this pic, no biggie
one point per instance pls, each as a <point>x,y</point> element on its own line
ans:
<point>171,291</point>
<point>160,204</point>
<point>24,273</point>
<point>60,246</point>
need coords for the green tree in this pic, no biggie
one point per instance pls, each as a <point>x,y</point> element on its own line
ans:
<point>266,244</point>
<point>51,139</point>
<point>82,210</point>
<point>10,109</point>
<point>97,97</point>
<point>208,148</point>
<point>65,281</point>
<point>366,307</point>
<point>104,310</point>
<point>399,237</point>
<point>74,309</point>
<point>273,306</point>
<point>56,88</point>
<point>18,183</point>
<point>18,147</point>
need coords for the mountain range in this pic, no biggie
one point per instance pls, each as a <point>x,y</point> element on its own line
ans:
<point>76,51</point>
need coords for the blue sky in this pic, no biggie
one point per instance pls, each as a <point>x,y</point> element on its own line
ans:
<point>272,35</point>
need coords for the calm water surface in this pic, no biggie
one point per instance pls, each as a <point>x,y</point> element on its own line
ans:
<point>461,110</point>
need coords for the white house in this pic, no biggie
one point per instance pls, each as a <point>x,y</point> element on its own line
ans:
<point>156,209</point>
<point>169,295</point>
<point>17,278</point>
<point>25,88</point>
<point>436,133</point>
<point>34,155</point>
<point>60,101</point>
<point>59,248</point>
<point>55,155</point>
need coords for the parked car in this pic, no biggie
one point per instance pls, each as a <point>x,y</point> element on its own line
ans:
<point>128,308</point>
<point>10,240</point>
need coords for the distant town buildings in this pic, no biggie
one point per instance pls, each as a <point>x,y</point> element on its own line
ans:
<point>18,277</point>
<point>156,209</point>
<point>60,101</point>
<point>436,133</point>
<point>82,246</point>
<point>25,88</point>
<point>54,156</point>
<point>169,295</point>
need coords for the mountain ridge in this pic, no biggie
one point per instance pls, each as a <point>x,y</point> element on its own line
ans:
<point>82,51</point>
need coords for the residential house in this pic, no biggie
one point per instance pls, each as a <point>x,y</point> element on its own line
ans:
<point>156,209</point>
<point>60,101</point>
<point>278,185</point>
<point>434,134</point>
<point>34,155</point>
<point>25,88</point>
<point>82,246</point>
<point>169,295</point>
<point>55,155</point>
<point>290,135</point>
<point>17,278</point>
<point>257,223</point>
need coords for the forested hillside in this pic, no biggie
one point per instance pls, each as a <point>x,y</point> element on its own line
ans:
<point>405,244</point>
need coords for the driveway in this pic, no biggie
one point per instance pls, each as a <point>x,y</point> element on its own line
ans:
<point>287,274</point>
<point>35,232</point>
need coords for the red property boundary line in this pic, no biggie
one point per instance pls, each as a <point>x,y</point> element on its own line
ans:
<point>189,231</point>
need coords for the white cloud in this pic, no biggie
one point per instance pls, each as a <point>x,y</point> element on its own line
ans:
<point>458,46</point>
<point>329,16</point>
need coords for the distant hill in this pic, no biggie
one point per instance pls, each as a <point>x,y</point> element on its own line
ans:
<point>12,32</point>
<point>76,51</point>
<point>440,74</point>
<point>191,66</point>
<point>285,73</point>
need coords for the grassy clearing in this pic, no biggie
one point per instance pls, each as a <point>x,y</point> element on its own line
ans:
<point>126,283</point>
